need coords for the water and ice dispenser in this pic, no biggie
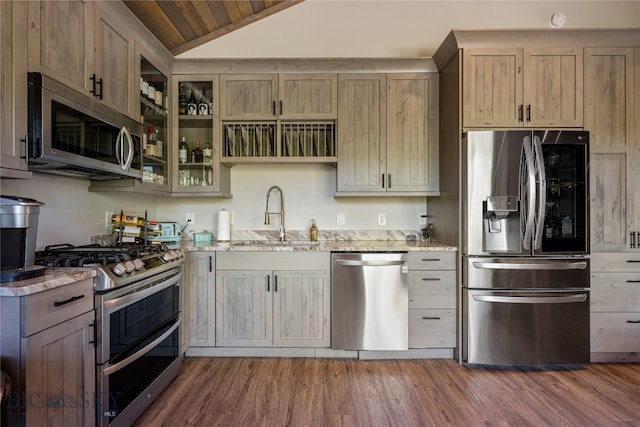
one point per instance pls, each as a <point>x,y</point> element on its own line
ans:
<point>501,224</point>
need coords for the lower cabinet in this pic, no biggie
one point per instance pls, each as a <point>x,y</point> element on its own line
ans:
<point>48,352</point>
<point>615,307</point>
<point>273,299</point>
<point>432,299</point>
<point>201,297</point>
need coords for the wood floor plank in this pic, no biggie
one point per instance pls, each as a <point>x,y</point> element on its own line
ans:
<point>349,393</point>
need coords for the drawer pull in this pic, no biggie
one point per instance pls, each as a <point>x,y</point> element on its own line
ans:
<point>633,321</point>
<point>633,281</point>
<point>633,260</point>
<point>430,259</point>
<point>430,279</point>
<point>430,318</point>
<point>67,301</point>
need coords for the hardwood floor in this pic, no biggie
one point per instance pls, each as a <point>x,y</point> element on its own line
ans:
<point>345,392</point>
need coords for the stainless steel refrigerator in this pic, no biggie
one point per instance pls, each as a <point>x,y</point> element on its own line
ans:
<point>525,247</point>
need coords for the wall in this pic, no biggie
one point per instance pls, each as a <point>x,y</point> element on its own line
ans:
<point>314,28</point>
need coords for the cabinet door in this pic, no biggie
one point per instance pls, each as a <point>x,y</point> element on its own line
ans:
<point>609,116</point>
<point>248,96</point>
<point>13,89</point>
<point>412,132</point>
<point>308,96</point>
<point>60,374</point>
<point>301,309</point>
<point>244,309</point>
<point>492,87</point>
<point>114,63</point>
<point>553,87</point>
<point>61,41</point>
<point>362,131</point>
<point>202,299</point>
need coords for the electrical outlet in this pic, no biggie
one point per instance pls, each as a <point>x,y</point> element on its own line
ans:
<point>190,219</point>
<point>382,219</point>
<point>341,219</point>
<point>423,219</point>
<point>107,219</point>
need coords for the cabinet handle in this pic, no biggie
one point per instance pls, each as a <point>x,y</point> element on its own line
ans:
<point>268,284</point>
<point>430,279</point>
<point>281,113</point>
<point>382,180</point>
<point>93,339</point>
<point>633,281</point>
<point>529,112</point>
<point>520,114</point>
<point>430,318</point>
<point>430,259</point>
<point>633,321</point>
<point>94,86</point>
<point>26,147</point>
<point>274,107</point>
<point>67,301</point>
<point>632,239</point>
<point>633,260</point>
<point>210,264</point>
<point>389,181</point>
<point>275,283</point>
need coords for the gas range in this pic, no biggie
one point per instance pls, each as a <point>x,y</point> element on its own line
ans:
<point>116,266</point>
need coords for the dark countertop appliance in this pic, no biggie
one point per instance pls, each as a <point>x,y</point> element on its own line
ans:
<point>18,234</point>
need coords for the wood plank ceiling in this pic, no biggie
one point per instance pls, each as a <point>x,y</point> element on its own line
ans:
<point>181,25</point>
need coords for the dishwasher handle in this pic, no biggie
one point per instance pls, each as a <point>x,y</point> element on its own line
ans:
<point>368,263</point>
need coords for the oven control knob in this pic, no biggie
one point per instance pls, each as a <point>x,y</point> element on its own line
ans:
<point>138,264</point>
<point>167,256</point>
<point>129,266</point>
<point>119,269</point>
<point>179,253</point>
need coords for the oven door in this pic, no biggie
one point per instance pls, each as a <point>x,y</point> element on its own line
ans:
<point>139,340</point>
<point>526,327</point>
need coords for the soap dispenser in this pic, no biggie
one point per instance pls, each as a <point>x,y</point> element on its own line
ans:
<point>313,231</point>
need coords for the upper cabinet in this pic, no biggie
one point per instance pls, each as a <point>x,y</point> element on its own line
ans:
<point>388,134</point>
<point>513,87</point>
<point>87,46</point>
<point>278,117</point>
<point>13,90</point>
<point>612,108</point>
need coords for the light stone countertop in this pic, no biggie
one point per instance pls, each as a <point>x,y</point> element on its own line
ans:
<point>320,246</point>
<point>53,278</point>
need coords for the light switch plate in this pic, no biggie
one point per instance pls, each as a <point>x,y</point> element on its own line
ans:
<point>341,218</point>
<point>382,219</point>
<point>190,219</point>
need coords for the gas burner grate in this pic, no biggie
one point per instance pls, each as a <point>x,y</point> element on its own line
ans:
<point>67,255</point>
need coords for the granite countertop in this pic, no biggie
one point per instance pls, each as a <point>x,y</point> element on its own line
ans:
<point>52,279</point>
<point>320,246</point>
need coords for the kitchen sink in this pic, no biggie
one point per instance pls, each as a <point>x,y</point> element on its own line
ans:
<point>275,243</point>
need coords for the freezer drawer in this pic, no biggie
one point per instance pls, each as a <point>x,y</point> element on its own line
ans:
<point>370,303</point>
<point>526,327</point>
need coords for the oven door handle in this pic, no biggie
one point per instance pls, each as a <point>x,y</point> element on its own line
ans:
<point>137,295</point>
<point>135,356</point>
<point>531,300</point>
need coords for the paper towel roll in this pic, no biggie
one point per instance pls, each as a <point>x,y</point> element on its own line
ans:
<point>224,225</point>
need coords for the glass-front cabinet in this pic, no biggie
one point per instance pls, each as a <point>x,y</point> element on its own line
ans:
<point>195,141</point>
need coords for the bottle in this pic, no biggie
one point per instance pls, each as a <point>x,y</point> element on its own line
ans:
<point>196,153</point>
<point>183,150</point>
<point>182,100</point>
<point>192,104</point>
<point>203,106</point>
<point>313,231</point>
<point>567,226</point>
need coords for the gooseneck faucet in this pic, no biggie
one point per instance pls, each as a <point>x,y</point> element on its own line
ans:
<point>267,214</point>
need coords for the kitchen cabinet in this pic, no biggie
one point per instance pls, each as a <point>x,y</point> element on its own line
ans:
<point>388,134</point>
<point>201,175</point>
<point>612,105</point>
<point>48,350</point>
<point>273,299</point>
<point>201,294</point>
<point>278,117</point>
<point>87,46</point>
<point>432,299</point>
<point>615,307</point>
<point>13,90</point>
<point>514,87</point>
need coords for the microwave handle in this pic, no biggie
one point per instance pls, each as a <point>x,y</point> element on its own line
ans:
<point>124,132</point>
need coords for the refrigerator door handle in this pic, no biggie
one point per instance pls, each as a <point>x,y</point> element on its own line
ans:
<point>542,191</point>
<point>529,193</point>
<point>578,265</point>
<point>532,300</point>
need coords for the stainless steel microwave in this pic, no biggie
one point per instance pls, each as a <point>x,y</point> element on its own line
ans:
<point>74,135</point>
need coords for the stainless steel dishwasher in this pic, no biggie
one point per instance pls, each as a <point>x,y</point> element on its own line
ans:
<point>370,302</point>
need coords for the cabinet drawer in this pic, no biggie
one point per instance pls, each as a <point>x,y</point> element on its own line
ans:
<point>432,289</point>
<point>432,328</point>
<point>615,261</point>
<point>431,260</point>
<point>615,332</point>
<point>48,308</point>
<point>615,292</point>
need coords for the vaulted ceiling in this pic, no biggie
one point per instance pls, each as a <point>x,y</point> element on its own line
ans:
<point>181,25</point>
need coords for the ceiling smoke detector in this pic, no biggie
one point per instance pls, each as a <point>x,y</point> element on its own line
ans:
<point>558,20</point>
